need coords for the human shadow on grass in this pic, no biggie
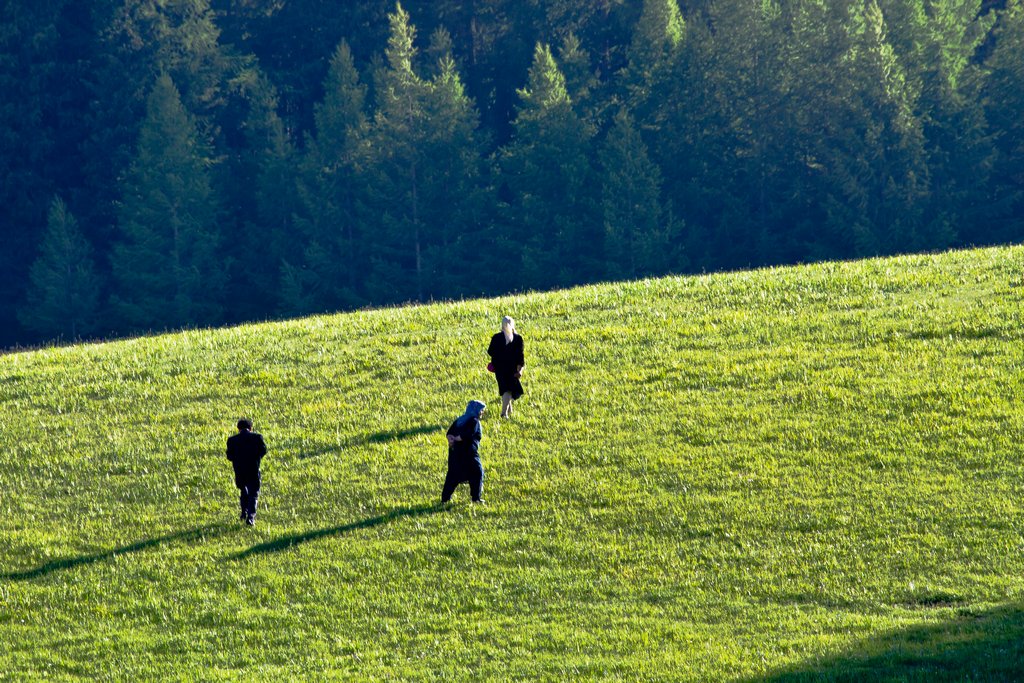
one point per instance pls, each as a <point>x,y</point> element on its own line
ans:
<point>397,434</point>
<point>286,542</point>
<point>377,437</point>
<point>972,646</point>
<point>71,562</point>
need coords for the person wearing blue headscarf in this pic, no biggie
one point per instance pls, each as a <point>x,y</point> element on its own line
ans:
<point>464,453</point>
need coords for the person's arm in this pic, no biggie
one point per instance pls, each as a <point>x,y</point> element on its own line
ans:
<point>453,435</point>
<point>262,446</point>
<point>477,434</point>
<point>228,452</point>
<point>490,349</point>
<point>521,360</point>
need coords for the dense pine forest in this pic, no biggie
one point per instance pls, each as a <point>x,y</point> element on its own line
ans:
<point>173,163</point>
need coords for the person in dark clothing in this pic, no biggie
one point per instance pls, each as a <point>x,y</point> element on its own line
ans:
<point>245,451</point>
<point>464,454</point>
<point>507,361</point>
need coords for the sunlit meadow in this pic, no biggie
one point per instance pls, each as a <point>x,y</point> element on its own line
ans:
<point>801,473</point>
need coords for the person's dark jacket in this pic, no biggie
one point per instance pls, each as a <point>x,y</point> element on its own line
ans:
<point>245,451</point>
<point>507,357</point>
<point>463,453</point>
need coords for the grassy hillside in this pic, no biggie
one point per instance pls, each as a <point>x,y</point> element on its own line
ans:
<point>799,473</point>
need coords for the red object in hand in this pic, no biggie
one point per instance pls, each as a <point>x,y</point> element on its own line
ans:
<point>490,367</point>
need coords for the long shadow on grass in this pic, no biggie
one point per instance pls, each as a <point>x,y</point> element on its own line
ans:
<point>286,542</point>
<point>376,437</point>
<point>71,562</point>
<point>396,434</point>
<point>973,646</point>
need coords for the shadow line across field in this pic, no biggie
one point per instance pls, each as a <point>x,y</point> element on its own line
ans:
<point>286,542</point>
<point>304,451</point>
<point>61,564</point>
<point>973,645</point>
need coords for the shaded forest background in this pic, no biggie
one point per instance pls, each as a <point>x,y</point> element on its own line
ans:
<point>169,163</point>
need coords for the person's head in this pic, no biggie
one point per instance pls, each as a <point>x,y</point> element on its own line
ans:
<point>245,425</point>
<point>508,327</point>
<point>475,408</point>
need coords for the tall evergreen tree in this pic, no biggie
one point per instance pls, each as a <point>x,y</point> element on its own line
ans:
<point>657,38</point>
<point>726,145</point>
<point>1004,104</point>
<point>581,82</point>
<point>398,167</point>
<point>63,296</point>
<point>548,172</point>
<point>265,180</point>
<point>879,159</point>
<point>654,49</point>
<point>456,202</point>
<point>138,41</point>
<point>817,117</point>
<point>328,273</point>
<point>28,45</point>
<point>636,240</point>
<point>425,170</point>
<point>936,42</point>
<point>168,268</point>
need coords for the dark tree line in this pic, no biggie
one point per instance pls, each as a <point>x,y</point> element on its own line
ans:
<point>170,163</point>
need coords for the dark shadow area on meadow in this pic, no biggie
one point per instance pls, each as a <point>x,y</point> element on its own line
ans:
<point>286,542</point>
<point>972,646</point>
<point>397,434</point>
<point>303,452</point>
<point>61,564</point>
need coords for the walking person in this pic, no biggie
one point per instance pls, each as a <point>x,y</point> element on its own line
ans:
<point>245,451</point>
<point>507,362</point>
<point>464,454</point>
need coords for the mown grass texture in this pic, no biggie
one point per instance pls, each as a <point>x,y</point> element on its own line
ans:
<point>808,473</point>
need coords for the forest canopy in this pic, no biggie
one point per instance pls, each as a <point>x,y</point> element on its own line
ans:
<point>172,163</point>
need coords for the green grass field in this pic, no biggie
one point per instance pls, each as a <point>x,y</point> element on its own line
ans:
<point>809,473</point>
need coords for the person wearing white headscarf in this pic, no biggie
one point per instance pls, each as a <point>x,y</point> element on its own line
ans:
<point>464,454</point>
<point>507,363</point>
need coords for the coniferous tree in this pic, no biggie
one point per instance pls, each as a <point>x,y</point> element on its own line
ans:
<point>441,48</point>
<point>727,142</point>
<point>329,272</point>
<point>688,148</point>
<point>550,179</point>
<point>398,167</point>
<point>168,268</point>
<point>781,130</point>
<point>581,82</point>
<point>455,200</point>
<point>655,48</point>
<point>878,159</point>
<point>818,45</point>
<point>63,297</point>
<point>1004,100</point>
<point>141,40</point>
<point>28,45</point>
<point>936,43</point>
<point>657,38</point>
<point>265,178</point>
<point>424,171</point>
<point>636,240</point>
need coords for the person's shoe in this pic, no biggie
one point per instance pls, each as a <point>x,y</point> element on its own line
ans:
<point>250,521</point>
<point>241,516</point>
<point>479,501</point>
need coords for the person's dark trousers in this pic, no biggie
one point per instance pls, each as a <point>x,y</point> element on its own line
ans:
<point>249,495</point>
<point>474,474</point>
